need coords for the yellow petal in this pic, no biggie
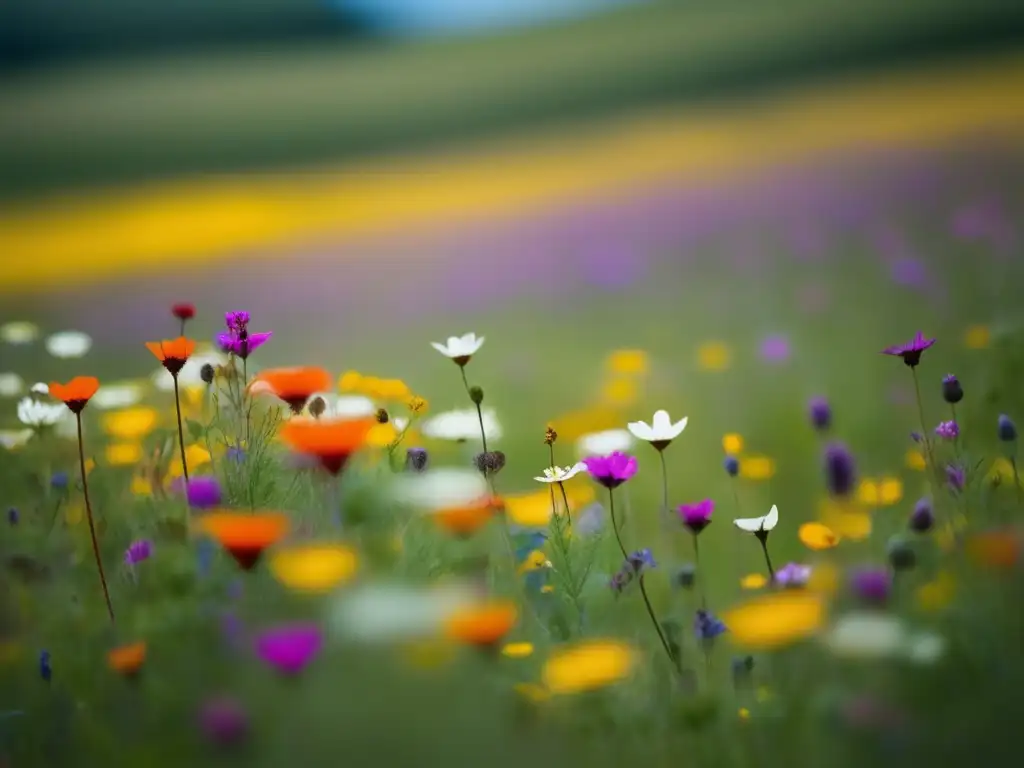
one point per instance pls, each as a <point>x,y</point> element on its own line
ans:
<point>753,581</point>
<point>817,536</point>
<point>938,593</point>
<point>867,492</point>
<point>517,650</point>
<point>532,692</point>
<point>350,381</point>
<point>824,578</point>
<point>1001,470</point>
<point>732,444</point>
<point>123,454</point>
<point>619,392</point>
<point>890,491</point>
<point>130,423</point>
<point>757,467</point>
<point>776,620</point>
<point>141,486</point>
<point>531,510</point>
<point>587,665</point>
<point>315,567</point>
<point>381,435</point>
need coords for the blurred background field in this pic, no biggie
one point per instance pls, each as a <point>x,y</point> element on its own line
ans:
<point>757,196</point>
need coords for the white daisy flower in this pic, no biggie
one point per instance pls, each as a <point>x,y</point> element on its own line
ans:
<point>14,438</point>
<point>40,388</point>
<point>11,384</point>
<point>759,524</point>
<point>866,635</point>
<point>33,413</point>
<point>441,488</point>
<point>462,425</point>
<point>603,443</point>
<point>561,474</point>
<point>19,332</point>
<point>460,349</point>
<point>68,344</point>
<point>660,432</point>
<point>123,395</point>
<point>382,612</point>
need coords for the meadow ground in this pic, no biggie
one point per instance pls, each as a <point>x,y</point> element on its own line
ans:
<point>744,300</point>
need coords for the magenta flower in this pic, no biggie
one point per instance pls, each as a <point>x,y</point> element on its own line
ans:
<point>697,516</point>
<point>203,492</point>
<point>223,720</point>
<point>910,351</point>
<point>138,551</point>
<point>238,341</point>
<point>612,470</point>
<point>948,430</point>
<point>289,648</point>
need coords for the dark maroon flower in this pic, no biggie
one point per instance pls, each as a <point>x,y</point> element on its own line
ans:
<point>910,351</point>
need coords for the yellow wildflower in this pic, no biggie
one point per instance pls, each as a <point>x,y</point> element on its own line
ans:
<point>517,650</point>
<point>775,620</point>
<point>131,423</point>
<point>314,567</point>
<point>630,362</point>
<point>619,392</point>
<point>753,581</point>
<point>732,444</point>
<point>915,460</point>
<point>977,337</point>
<point>817,536</point>
<point>714,356</point>
<point>587,665</point>
<point>123,454</point>
<point>757,467</point>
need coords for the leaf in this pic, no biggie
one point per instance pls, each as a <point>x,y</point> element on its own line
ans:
<point>195,430</point>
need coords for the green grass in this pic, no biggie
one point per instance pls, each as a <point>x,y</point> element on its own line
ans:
<point>121,121</point>
<point>543,358</point>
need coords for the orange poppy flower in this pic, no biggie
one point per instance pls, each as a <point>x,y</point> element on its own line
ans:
<point>295,385</point>
<point>332,441</point>
<point>128,659</point>
<point>245,536</point>
<point>483,625</point>
<point>173,353</point>
<point>467,519</point>
<point>76,393</point>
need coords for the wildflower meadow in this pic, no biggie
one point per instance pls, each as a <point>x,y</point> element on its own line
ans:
<point>518,547</point>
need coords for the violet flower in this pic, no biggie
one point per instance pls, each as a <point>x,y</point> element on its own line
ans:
<point>820,413</point>
<point>223,720</point>
<point>641,561</point>
<point>840,470</point>
<point>238,341</point>
<point>956,477</point>
<point>871,585</point>
<point>697,516</point>
<point>910,351</point>
<point>793,575</point>
<point>203,492</point>
<point>289,648</point>
<point>948,430</point>
<point>707,627</point>
<point>138,551</point>
<point>612,470</point>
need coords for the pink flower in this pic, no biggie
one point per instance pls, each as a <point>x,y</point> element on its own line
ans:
<point>289,648</point>
<point>612,470</point>
<point>697,516</point>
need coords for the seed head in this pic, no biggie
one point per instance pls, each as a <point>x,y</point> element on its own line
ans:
<point>207,373</point>
<point>476,394</point>
<point>952,392</point>
<point>550,436</point>
<point>317,406</point>
<point>489,462</point>
<point>382,416</point>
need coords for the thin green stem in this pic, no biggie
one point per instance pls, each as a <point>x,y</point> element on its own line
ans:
<point>767,557</point>
<point>932,469</point>
<point>89,517</point>
<point>700,576</point>
<point>181,432</point>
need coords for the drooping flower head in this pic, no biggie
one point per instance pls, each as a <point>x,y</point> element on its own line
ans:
<point>660,432</point>
<point>172,353</point>
<point>245,536</point>
<point>293,385</point>
<point>948,430</point>
<point>697,516</point>
<point>910,351</point>
<point>793,575</point>
<point>289,648</point>
<point>203,492</point>
<point>612,470</point>
<point>76,393</point>
<point>137,551</point>
<point>330,441</point>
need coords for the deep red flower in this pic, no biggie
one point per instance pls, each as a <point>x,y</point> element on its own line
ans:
<point>183,310</point>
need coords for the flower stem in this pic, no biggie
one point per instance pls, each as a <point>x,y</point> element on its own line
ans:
<point>767,557</point>
<point>664,500</point>
<point>700,578</point>
<point>643,589</point>
<point>932,469</point>
<point>88,516</point>
<point>181,432</point>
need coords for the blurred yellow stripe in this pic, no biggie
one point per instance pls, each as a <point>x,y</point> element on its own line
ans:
<point>184,223</point>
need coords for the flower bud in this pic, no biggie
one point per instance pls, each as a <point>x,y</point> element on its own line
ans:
<point>732,466</point>
<point>1006,429</point>
<point>901,554</point>
<point>840,471</point>
<point>476,394</point>
<point>416,459</point>
<point>550,436</point>
<point>382,416</point>
<point>317,406</point>
<point>207,372</point>
<point>922,518</point>
<point>952,392</point>
<point>685,576</point>
<point>820,413</point>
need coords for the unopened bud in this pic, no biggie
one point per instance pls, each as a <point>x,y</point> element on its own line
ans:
<point>317,406</point>
<point>207,372</point>
<point>901,554</point>
<point>952,392</point>
<point>416,459</point>
<point>382,416</point>
<point>476,394</point>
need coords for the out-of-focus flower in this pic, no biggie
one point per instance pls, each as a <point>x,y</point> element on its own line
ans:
<point>820,413</point>
<point>517,650</point>
<point>33,413</point>
<point>952,392</point>
<point>753,581</point>
<point>998,549</point>
<point>840,471</point>
<point>245,536</point>
<point>294,386</point>
<point>1006,430</point>
<point>948,430</point>
<point>759,524</point>
<point>68,344</point>
<point>793,575</point>
<point>331,442</point>
<point>123,395</point>
<point>612,470</point>
<point>76,393</point>
<point>775,349</point>
<point>137,551</point>
<point>922,518</point>
<point>130,424</point>
<point>460,349</point>
<point>628,362</point>
<point>382,612</point>
<point>910,351</point>
<point>956,477</point>
<point>872,585</point>
<point>732,443</point>
<point>587,666</point>
<point>466,519</point>
<point>697,516</point>
<point>660,432</point>
<point>731,465</point>
<point>183,310</point>
<point>289,648</point>
<point>561,474</point>
<point>714,356</point>
<point>484,625</point>
<point>14,438</point>
<point>604,442</point>
<point>866,635</point>
<point>11,384</point>
<point>977,337</point>
<point>223,720</point>
<point>19,332</point>
<point>314,567</point>
<point>901,554</point>
<point>757,467</point>
<point>191,374</point>
<point>817,536</point>
<point>706,627</point>
<point>203,492</point>
<point>440,488</point>
<point>776,620</point>
<point>127,660</point>
<point>925,647</point>
<point>462,425</point>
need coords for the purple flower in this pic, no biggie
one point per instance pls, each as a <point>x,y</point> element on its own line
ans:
<point>775,349</point>
<point>917,437</point>
<point>706,627</point>
<point>620,581</point>
<point>612,470</point>
<point>871,585</point>
<point>236,454</point>
<point>820,413</point>
<point>948,430</point>
<point>697,516</point>
<point>289,648</point>
<point>840,470</point>
<point>203,492</point>
<point>910,351</point>
<point>641,561</point>
<point>236,321</point>
<point>793,575</point>
<point>223,720</point>
<point>956,477</point>
<point>138,551</point>
<point>238,341</point>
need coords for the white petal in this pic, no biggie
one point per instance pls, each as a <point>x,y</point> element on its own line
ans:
<point>679,426</point>
<point>601,443</point>
<point>463,424</point>
<point>440,488</point>
<point>117,395</point>
<point>440,348</point>
<point>925,648</point>
<point>11,384</point>
<point>641,430</point>
<point>380,612</point>
<point>772,518</point>
<point>39,388</point>
<point>661,421</point>
<point>68,344</point>
<point>750,524</point>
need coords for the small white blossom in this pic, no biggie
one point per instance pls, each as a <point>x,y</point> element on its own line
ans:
<point>660,432</point>
<point>345,406</point>
<point>866,635</point>
<point>68,344</point>
<point>19,332</point>
<point>11,384</point>
<point>33,413</point>
<point>462,425</point>
<point>561,474</point>
<point>460,348</point>
<point>759,524</point>
<point>925,648</point>
<point>191,373</point>
<point>603,443</point>
<point>124,395</point>
<point>40,388</point>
